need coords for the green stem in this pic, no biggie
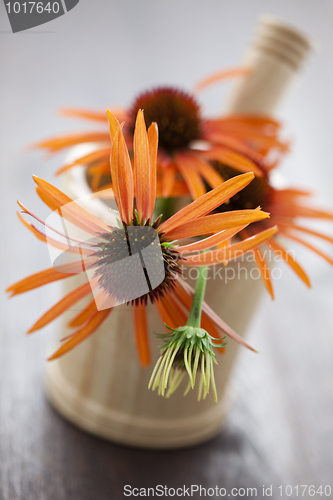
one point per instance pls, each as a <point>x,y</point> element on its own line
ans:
<point>194,318</point>
<point>165,206</point>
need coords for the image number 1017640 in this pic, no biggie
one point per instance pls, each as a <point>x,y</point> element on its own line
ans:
<point>30,7</point>
<point>24,15</point>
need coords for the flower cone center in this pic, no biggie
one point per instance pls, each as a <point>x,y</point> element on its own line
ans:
<point>176,114</point>
<point>132,264</point>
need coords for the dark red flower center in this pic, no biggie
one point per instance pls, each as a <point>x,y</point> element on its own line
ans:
<point>176,113</point>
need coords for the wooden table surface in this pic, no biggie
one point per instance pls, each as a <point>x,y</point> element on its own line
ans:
<point>280,428</point>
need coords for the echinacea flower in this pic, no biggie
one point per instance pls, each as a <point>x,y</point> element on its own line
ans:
<point>172,296</point>
<point>186,349</point>
<point>188,141</point>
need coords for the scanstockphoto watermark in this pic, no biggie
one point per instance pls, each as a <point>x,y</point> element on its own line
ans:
<point>198,491</point>
<point>194,490</point>
<point>241,267</point>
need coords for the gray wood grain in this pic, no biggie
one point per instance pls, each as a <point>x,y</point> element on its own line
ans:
<point>280,429</point>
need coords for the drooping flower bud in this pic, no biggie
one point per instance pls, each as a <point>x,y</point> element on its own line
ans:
<point>186,349</point>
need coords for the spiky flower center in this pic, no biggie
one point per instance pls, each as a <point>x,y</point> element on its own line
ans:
<point>134,264</point>
<point>256,194</point>
<point>176,113</point>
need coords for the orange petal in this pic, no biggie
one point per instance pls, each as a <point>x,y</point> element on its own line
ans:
<point>182,295</point>
<point>172,306</point>
<point>188,170</point>
<point>221,75</point>
<point>289,259</point>
<point>57,244</point>
<point>260,138</point>
<point>264,271</point>
<point>67,237</point>
<point>207,202</point>
<point>65,303</point>
<point>83,332</point>
<point>291,192</point>
<point>72,212</point>
<point>262,141</point>
<point>50,275</point>
<point>230,252</point>
<point>92,115</point>
<point>259,121</point>
<point>122,177</point>
<point>299,211</point>
<point>211,241</point>
<point>83,113</point>
<point>114,125</point>
<point>235,160</point>
<point>220,138</point>
<point>47,199</point>
<point>215,223</point>
<point>165,315</point>
<point>153,147</point>
<point>66,141</point>
<point>205,169</point>
<point>39,235</point>
<point>231,125</point>
<point>308,245</point>
<point>169,177</point>
<point>96,179</point>
<point>304,230</point>
<point>179,189</point>
<point>289,210</point>
<point>141,333</point>
<point>36,280</point>
<point>84,315</point>
<point>105,192</point>
<point>100,167</point>
<point>100,154</point>
<point>142,168</point>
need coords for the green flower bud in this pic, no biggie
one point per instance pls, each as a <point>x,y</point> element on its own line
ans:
<point>186,349</point>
